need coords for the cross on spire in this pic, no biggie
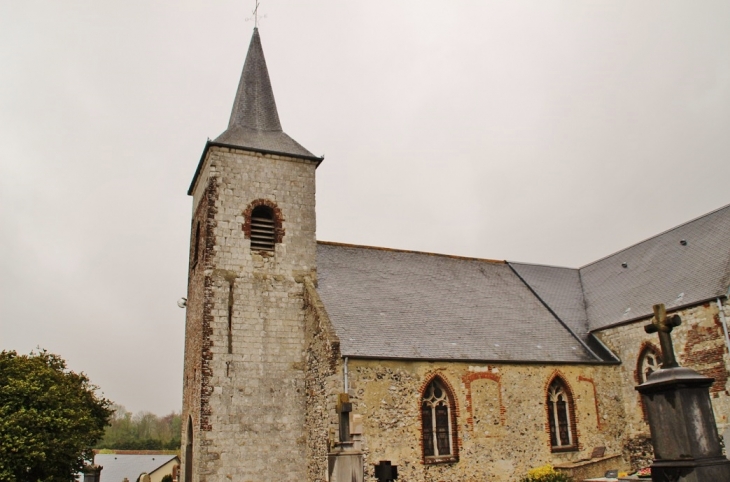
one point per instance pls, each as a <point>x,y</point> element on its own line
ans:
<point>255,15</point>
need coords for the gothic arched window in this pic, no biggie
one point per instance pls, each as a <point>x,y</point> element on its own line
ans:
<point>438,423</point>
<point>649,361</point>
<point>561,417</point>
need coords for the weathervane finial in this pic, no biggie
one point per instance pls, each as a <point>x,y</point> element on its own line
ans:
<point>255,16</point>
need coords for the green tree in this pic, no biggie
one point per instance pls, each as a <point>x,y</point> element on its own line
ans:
<point>50,417</point>
<point>143,431</point>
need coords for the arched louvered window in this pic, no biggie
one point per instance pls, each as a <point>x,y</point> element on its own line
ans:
<point>436,419</point>
<point>561,417</point>
<point>263,228</point>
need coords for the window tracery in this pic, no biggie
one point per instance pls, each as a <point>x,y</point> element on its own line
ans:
<point>649,361</point>
<point>436,419</point>
<point>560,416</point>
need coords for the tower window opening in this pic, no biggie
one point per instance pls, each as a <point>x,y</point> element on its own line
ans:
<point>197,244</point>
<point>263,228</point>
<point>189,452</point>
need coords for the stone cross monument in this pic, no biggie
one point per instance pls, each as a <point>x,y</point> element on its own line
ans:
<point>683,431</point>
<point>345,460</point>
<point>663,325</point>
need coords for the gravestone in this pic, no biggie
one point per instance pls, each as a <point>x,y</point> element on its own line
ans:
<point>682,423</point>
<point>345,460</point>
<point>385,471</point>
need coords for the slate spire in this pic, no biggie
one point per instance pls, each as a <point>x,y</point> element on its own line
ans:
<point>254,119</point>
<point>255,106</point>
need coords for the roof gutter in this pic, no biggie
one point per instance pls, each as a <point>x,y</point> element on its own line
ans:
<point>608,350</point>
<point>210,144</point>
<point>649,315</point>
<point>345,380</point>
<point>495,361</point>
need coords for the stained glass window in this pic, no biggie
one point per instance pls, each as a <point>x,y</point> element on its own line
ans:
<point>562,431</point>
<point>436,420</point>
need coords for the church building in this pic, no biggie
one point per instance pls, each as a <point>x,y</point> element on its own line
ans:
<point>450,368</point>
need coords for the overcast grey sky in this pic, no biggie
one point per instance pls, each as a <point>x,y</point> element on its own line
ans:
<point>546,131</point>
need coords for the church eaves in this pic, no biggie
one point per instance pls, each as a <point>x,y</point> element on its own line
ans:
<point>254,124</point>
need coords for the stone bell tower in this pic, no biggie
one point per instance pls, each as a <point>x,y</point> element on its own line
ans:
<point>252,245</point>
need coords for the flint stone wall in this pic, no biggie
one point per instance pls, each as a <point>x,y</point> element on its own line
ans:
<point>699,343</point>
<point>501,416</point>
<point>198,318</point>
<point>323,382</point>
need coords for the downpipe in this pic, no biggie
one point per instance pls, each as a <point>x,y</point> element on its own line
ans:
<point>346,382</point>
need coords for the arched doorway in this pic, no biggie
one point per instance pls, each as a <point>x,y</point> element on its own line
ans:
<point>189,452</point>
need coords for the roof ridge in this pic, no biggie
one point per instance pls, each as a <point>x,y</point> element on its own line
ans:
<point>542,265</point>
<point>656,236</point>
<point>163,464</point>
<point>396,250</point>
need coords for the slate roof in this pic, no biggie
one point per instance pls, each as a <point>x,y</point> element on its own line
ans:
<point>660,270</point>
<point>254,121</point>
<point>560,289</point>
<point>400,304</point>
<point>119,466</point>
<point>408,305</point>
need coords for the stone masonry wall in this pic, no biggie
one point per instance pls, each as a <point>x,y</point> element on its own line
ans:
<point>198,317</point>
<point>699,343</point>
<point>323,383</point>
<point>502,425</point>
<point>253,399</point>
